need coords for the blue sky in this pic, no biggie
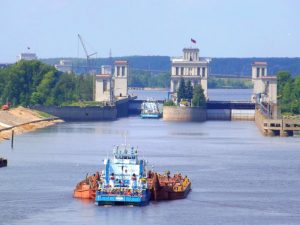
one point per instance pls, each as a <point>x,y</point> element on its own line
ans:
<point>222,28</point>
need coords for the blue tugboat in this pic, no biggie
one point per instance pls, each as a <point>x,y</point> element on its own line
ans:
<point>124,180</point>
<point>150,109</point>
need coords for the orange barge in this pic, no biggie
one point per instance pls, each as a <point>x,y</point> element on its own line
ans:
<point>161,186</point>
<point>86,189</point>
<point>166,187</point>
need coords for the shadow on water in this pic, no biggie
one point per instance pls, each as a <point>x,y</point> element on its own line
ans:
<point>189,134</point>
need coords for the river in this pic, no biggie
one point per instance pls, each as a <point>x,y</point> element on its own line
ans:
<point>238,176</point>
<point>214,94</point>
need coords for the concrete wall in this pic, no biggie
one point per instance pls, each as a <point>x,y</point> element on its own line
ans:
<point>218,114</point>
<point>259,120</point>
<point>121,87</point>
<point>174,113</point>
<point>272,91</point>
<point>276,127</point>
<point>122,108</point>
<point>100,94</point>
<point>258,86</point>
<point>204,86</point>
<point>76,113</point>
<point>134,107</point>
<point>238,114</point>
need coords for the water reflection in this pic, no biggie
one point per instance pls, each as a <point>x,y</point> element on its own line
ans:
<point>238,176</point>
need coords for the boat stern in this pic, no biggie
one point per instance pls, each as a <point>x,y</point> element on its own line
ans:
<point>112,199</point>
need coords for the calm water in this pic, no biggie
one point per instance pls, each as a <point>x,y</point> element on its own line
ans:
<point>238,176</point>
<point>213,94</point>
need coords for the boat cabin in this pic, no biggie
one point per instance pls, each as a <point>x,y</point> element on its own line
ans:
<point>125,169</point>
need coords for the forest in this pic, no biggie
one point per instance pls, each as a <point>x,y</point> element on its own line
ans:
<point>35,83</point>
<point>217,66</point>
<point>288,91</point>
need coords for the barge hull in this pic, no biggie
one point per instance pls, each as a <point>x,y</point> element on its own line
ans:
<point>123,200</point>
<point>165,194</point>
<point>150,116</point>
<point>3,162</point>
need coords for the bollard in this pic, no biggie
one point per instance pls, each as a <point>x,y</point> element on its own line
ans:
<point>12,138</point>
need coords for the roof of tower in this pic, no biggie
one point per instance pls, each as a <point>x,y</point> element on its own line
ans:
<point>259,64</point>
<point>191,49</point>
<point>103,76</point>
<point>121,62</point>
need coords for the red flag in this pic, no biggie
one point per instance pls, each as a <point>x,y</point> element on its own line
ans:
<point>193,40</point>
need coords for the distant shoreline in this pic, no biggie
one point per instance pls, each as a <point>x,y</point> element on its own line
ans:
<point>167,89</point>
<point>147,89</point>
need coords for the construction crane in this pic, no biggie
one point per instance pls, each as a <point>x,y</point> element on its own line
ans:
<point>88,56</point>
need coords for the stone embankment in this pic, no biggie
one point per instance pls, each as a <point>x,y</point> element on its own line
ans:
<point>23,120</point>
<point>277,127</point>
<point>176,113</point>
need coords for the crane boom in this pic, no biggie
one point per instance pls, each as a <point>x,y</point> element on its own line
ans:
<point>88,62</point>
<point>83,45</point>
<point>86,53</point>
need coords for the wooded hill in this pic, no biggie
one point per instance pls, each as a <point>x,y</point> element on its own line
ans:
<point>218,66</point>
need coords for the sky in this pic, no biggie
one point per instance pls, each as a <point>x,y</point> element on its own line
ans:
<point>222,28</point>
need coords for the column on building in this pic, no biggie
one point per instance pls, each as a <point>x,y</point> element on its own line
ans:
<point>259,70</point>
<point>190,66</point>
<point>103,85</point>
<point>264,88</point>
<point>121,79</point>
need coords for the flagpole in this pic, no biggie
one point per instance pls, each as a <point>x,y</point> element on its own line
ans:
<point>193,42</point>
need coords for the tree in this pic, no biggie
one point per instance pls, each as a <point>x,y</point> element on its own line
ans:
<point>169,103</point>
<point>297,87</point>
<point>181,92</point>
<point>32,82</point>
<point>148,79</point>
<point>189,91</point>
<point>282,78</point>
<point>43,93</point>
<point>288,90</point>
<point>199,99</point>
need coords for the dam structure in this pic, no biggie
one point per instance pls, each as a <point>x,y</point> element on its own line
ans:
<point>267,115</point>
<point>262,107</point>
<point>111,96</point>
<point>114,101</point>
<point>215,110</point>
<point>190,67</point>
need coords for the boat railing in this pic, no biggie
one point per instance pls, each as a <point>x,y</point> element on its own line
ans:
<point>120,191</point>
<point>125,152</point>
<point>125,156</point>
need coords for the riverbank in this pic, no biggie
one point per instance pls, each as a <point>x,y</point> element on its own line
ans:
<point>23,120</point>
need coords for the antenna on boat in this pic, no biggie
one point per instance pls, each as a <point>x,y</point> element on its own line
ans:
<point>125,136</point>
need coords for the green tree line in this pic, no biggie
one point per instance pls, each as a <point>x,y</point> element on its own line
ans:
<point>288,91</point>
<point>139,78</point>
<point>146,79</point>
<point>32,82</point>
<point>229,83</point>
<point>222,66</point>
